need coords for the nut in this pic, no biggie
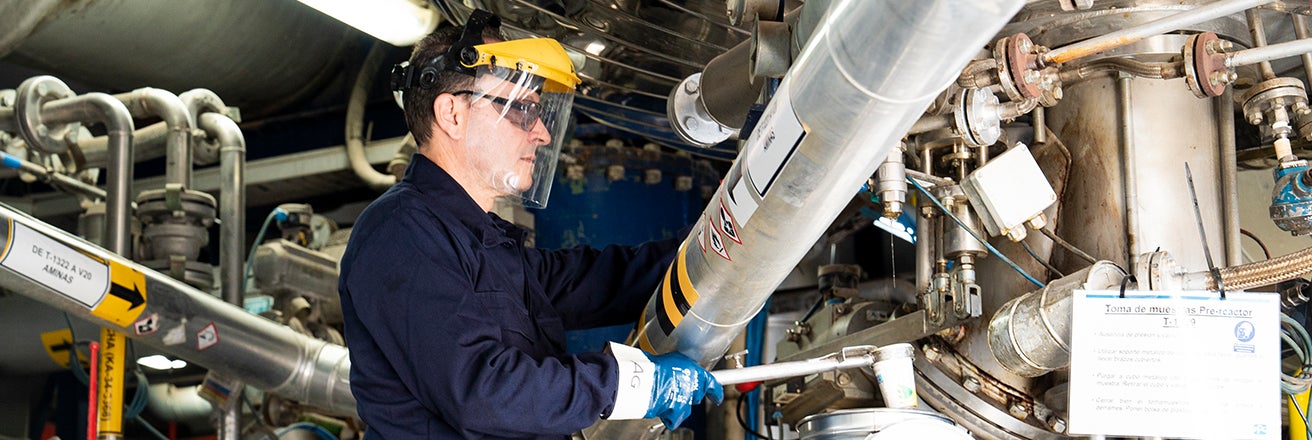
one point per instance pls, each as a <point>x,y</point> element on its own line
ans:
<point>971,384</point>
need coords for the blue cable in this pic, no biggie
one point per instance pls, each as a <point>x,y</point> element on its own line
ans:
<point>277,214</point>
<point>986,244</point>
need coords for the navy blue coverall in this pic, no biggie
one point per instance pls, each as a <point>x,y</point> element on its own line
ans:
<point>457,330</point>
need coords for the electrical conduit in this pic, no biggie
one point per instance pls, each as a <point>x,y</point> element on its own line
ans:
<point>355,122</point>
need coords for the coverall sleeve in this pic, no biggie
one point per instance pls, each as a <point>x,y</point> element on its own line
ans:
<point>602,287</point>
<point>418,301</point>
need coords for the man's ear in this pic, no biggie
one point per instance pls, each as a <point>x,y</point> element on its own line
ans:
<point>450,116</point>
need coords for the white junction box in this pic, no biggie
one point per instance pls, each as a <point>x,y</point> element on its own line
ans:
<point>1008,191</point>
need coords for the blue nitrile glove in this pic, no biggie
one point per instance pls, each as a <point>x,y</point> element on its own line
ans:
<point>665,386</point>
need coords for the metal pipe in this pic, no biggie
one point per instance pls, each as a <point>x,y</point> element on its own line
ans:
<point>1129,187</point>
<point>839,111</point>
<point>149,142</point>
<point>1040,125</point>
<point>202,100</point>
<point>849,96</point>
<point>232,197</point>
<point>1301,31</point>
<point>264,354</point>
<point>1031,335</point>
<point>105,109</point>
<point>930,123</point>
<point>146,102</point>
<point>1258,274</point>
<point>232,203</point>
<point>1225,115</point>
<point>1258,32</point>
<point>848,358</point>
<point>1263,55</point>
<point>1130,35</point>
<point>355,121</point>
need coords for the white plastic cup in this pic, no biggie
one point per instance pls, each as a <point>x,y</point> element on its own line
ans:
<point>896,375</point>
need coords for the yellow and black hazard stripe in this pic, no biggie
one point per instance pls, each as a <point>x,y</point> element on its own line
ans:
<point>677,294</point>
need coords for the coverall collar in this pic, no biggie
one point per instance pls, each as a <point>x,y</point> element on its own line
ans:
<point>446,194</point>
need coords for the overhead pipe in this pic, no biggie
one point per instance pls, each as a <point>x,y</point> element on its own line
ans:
<point>1258,32</point>
<point>835,117</point>
<point>263,353</point>
<point>355,121</point>
<point>1130,35</point>
<point>1265,54</point>
<point>147,102</point>
<point>232,203</point>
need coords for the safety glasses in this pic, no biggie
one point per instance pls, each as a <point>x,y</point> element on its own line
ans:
<point>521,113</point>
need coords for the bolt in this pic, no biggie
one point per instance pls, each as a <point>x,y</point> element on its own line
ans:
<point>1025,45</point>
<point>971,384</point>
<point>41,130</point>
<point>690,87</point>
<point>843,379</point>
<point>1255,119</point>
<point>1018,411</point>
<point>1057,424</point>
<point>1032,76</point>
<point>690,122</point>
<point>931,354</point>
<point>1056,93</point>
<point>42,89</point>
<point>1226,45</point>
<point>1232,76</point>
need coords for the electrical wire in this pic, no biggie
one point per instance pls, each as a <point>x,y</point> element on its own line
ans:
<point>742,403</point>
<point>1260,244</point>
<point>1306,429</point>
<point>972,233</point>
<point>155,432</point>
<point>1035,256</point>
<point>1070,247</point>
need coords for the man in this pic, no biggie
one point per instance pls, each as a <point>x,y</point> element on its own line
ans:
<point>456,329</point>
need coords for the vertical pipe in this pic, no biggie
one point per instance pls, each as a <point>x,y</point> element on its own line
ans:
<point>232,201</point>
<point>1040,126</point>
<point>92,387</point>
<point>232,152</point>
<point>1301,30</point>
<point>1225,115</point>
<point>1128,169</point>
<point>1258,31</point>
<point>99,107</point>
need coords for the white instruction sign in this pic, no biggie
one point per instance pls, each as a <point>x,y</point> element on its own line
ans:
<point>772,143</point>
<point>56,265</point>
<point>1175,364</point>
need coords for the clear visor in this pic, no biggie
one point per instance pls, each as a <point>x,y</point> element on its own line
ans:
<point>531,114</point>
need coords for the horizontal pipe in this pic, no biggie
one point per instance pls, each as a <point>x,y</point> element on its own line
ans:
<point>263,353</point>
<point>1156,27</point>
<point>848,358</point>
<point>1268,53</point>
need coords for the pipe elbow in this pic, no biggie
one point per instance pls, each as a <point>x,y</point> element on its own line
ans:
<point>223,129</point>
<point>150,101</point>
<point>110,111</point>
<point>199,101</point>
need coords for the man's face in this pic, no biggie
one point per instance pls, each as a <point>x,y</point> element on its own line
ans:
<point>499,148</point>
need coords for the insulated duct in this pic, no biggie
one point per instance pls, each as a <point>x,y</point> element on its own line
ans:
<point>866,75</point>
<point>169,315</point>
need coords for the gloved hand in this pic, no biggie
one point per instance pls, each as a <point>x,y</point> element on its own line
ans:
<point>664,386</point>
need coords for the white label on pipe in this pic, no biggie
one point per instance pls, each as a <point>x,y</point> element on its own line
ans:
<point>56,265</point>
<point>772,143</point>
<point>1175,364</point>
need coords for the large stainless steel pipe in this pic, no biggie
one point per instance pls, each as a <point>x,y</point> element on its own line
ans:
<point>866,75</point>
<point>261,352</point>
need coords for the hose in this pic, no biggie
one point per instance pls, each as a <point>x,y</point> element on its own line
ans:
<point>1264,273</point>
<point>355,121</point>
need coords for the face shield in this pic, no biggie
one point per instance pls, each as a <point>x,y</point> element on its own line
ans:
<point>528,87</point>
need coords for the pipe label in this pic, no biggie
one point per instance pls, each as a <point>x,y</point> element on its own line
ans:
<point>80,277</point>
<point>1175,364</point>
<point>112,291</point>
<point>773,143</point>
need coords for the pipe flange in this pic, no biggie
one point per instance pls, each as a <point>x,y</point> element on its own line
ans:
<point>689,117</point>
<point>1018,67</point>
<point>1271,99</point>
<point>1204,68</point>
<point>32,94</point>
<point>161,206</point>
<point>976,117</point>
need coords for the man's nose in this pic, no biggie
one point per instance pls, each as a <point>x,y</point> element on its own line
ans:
<point>539,133</point>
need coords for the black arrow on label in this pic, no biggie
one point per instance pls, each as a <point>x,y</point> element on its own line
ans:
<point>63,346</point>
<point>132,296</point>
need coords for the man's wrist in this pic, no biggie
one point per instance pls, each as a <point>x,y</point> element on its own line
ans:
<point>636,377</point>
